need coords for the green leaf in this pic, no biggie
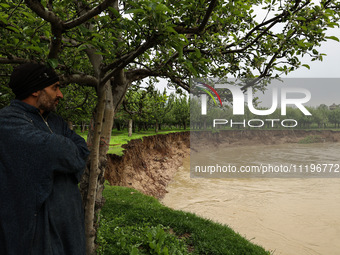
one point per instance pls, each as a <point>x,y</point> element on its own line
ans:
<point>171,29</point>
<point>53,62</point>
<point>114,11</point>
<point>15,40</point>
<point>134,251</point>
<point>28,15</point>
<point>13,29</point>
<point>5,5</point>
<point>163,8</point>
<point>82,47</point>
<point>333,38</point>
<point>307,66</point>
<point>301,18</point>
<point>301,43</point>
<point>100,53</point>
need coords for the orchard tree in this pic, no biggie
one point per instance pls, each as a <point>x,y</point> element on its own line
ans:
<point>144,105</point>
<point>158,107</point>
<point>334,117</point>
<point>181,111</point>
<point>110,44</point>
<point>134,106</point>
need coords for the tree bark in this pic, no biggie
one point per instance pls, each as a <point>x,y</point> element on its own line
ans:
<point>90,231</point>
<point>156,127</point>
<point>103,149</point>
<point>93,181</point>
<point>130,127</point>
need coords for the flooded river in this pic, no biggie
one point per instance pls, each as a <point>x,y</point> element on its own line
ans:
<point>287,216</point>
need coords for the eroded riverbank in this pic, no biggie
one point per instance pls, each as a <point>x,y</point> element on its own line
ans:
<point>148,165</point>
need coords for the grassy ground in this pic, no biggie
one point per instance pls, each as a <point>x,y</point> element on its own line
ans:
<point>119,138</point>
<point>132,223</point>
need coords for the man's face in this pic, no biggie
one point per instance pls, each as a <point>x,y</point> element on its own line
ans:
<point>48,98</point>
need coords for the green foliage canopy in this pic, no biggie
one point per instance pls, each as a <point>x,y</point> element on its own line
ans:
<point>164,38</point>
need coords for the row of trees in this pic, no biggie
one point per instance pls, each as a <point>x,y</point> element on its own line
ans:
<point>149,107</point>
<point>321,117</point>
<point>110,44</point>
<point>142,108</point>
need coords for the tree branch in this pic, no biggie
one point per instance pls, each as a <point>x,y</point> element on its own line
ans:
<point>139,74</point>
<point>88,15</point>
<point>179,82</point>
<point>83,79</point>
<point>38,8</point>
<point>200,28</point>
<point>128,58</point>
<point>207,15</point>
<point>272,22</point>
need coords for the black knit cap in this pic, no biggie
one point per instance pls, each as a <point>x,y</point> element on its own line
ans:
<point>31,77</point>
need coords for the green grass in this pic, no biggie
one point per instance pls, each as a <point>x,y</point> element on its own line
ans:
<point>132,223</point>
<point>118,138</point>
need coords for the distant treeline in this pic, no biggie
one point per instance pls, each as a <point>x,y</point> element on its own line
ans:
<point>321,117</point>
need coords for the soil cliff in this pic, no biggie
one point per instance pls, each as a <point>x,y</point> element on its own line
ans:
<point>149,164</point>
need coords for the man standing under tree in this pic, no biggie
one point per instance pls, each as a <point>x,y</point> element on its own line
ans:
<point>41,163</point>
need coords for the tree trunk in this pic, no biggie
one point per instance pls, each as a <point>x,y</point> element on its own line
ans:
<point>83,126</point>
<point>90,230</point>
<point>156,127</point>
<point>107,123</point>
<point>113,97</point>
<point>130,127</point>
<point>92,185</point>
<point>103,149</point>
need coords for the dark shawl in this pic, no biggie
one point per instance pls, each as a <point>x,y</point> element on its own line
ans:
<point>40,204</point>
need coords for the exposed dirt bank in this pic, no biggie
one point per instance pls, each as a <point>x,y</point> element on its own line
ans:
<point>148,165</point>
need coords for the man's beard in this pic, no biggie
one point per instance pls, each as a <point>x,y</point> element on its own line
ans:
<point>46,103</point>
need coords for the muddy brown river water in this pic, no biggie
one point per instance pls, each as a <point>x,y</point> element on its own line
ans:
<point>287,216</point>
